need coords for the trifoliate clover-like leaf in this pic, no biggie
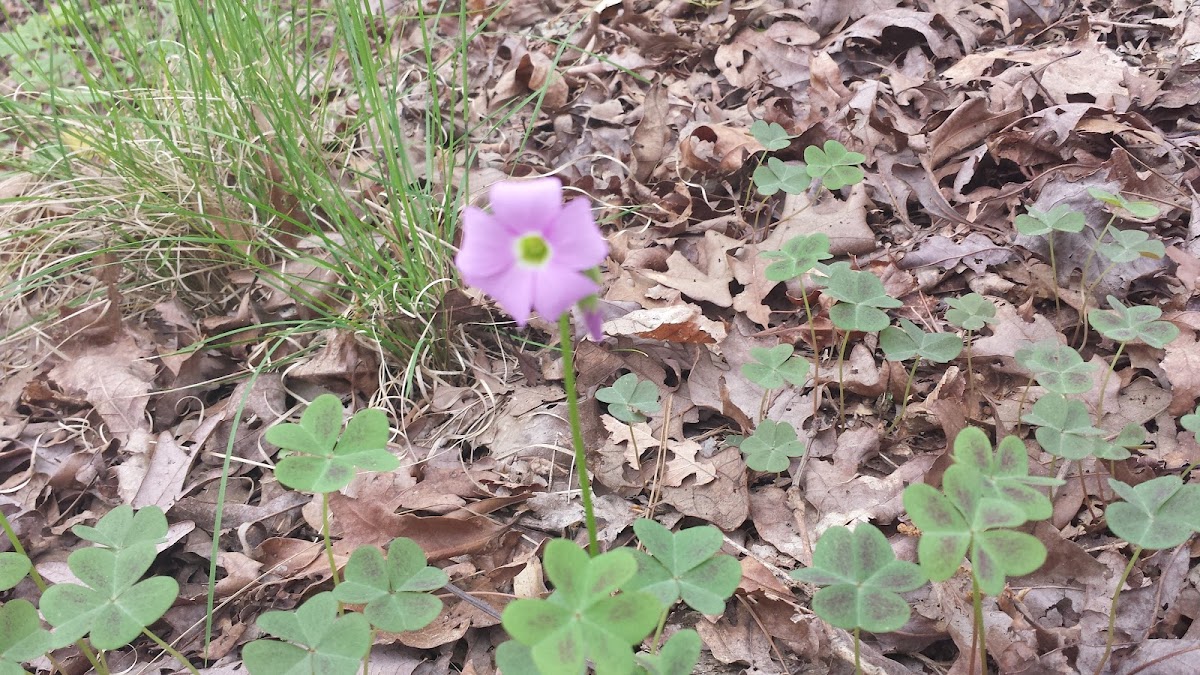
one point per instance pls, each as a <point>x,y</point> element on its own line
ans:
<point>862,580</point>
<point>1057,367</point>
<point>971,311</point>
<point>1129,245</point>
<point>799,255</point>
<point>1061,218</point>
<point>684,565</point>
<point>778,175</point>
<point>771,368</point>
<point>322,456</point>
<point>861,298</point>
<point>1132,436</point>
<point>314,640</point>
<point>1141,210</point>
<point>772,136</point>
<point>836,166</point>
<point>1191,421</point>
<point>630,399</point>
<point>771,447</point>
<point>1004,472</point>
<point>907,341</point>
<point>1160,513</point>
<point>113,606</point>
<point>582,620</point>
<point>1064,426</point>
<point>677,657</point>
<point>393,590</point>
<point>1138,322</point>
<point>121,527</point>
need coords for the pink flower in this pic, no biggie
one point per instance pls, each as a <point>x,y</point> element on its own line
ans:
<point>532,251</point>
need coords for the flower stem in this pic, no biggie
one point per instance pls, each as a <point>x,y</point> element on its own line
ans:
<point>38,581</point>
<point>585,484</point>
<point>172,651</point>
<point>1104,383</point>
<point>977,602</point>
<point>325,535</point>
<point>912,373</point>
<point>1112,611</point>
<point>857,651</point>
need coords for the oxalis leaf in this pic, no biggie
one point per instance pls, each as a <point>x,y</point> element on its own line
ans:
<point>1129,245</point>
<point>907,341</point>
<point>684,565</point>
<point>771,447</point>
<point>582,620</point>
<point>121,527</point>
<point>778,175</point>
<point>13,568</point>
<point>1061,218</point>
<point>323,457</point>
<point>772,367</point>
<point>772,135</point>
<point>1064,426</point>
<point>1160,513</point>
<point>860,296</point>
<point>799,255</point>
<point>314,640</point>
<point>1138,209</point>
<point>971,311</point>
<point>963,522</point>
<point>1138,322</point>
<point>22,637</point>
<point>393,589</point>
<point>836,166</point>
<point>1004,472</point>
<point>1057,367</point>
<point>677,657</point>
<point>862,579</point>
<point>113,607</point>
<point>629,399</point>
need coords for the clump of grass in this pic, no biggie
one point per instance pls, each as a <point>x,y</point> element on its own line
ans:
<point>160,150</point>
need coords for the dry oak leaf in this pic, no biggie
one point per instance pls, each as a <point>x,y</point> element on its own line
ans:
<point>685,464</point>
<point>719,149</point>
<point>778,55</point>
<point>724,502</point>
<point>677,323</point>
<point>1182,367</point>
<point>844,222</point>
<point>708,280</point>
<point>116,379</point>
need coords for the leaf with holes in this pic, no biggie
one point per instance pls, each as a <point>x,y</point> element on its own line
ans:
<point>772,367</point>
<point>582,620</point>
<point>971,311</point>
<point>836,166</point>
<point>312,639</point>
<point>1064,427</point>
<point>1057,367</point>
<point>771,447</point>
<point>684,565</point>
<point>1137,322</point>
<point>772,136</point>
<point>862,580</point>
<point>322,456</point>
<point>1004,472</point>
<point>799,255</point>
<point>778,175</point>
<point>393,590</point>
<point>629,399</point>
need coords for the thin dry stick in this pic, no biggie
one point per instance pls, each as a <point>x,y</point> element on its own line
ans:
<point>661,463</point>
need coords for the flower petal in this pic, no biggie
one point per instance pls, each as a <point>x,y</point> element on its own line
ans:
<point>593,320</point>
<point>558,288</point>
<point>487,247</point>
<point>574,237</point>
<point>513,289</point>
<point>526,205</point>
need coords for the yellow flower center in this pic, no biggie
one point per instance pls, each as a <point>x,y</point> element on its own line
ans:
<point>532,250</point>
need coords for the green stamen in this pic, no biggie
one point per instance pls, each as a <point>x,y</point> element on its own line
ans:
<point>532,249</point>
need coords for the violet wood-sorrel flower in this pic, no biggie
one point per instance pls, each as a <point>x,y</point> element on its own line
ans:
<point>532,252</point>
